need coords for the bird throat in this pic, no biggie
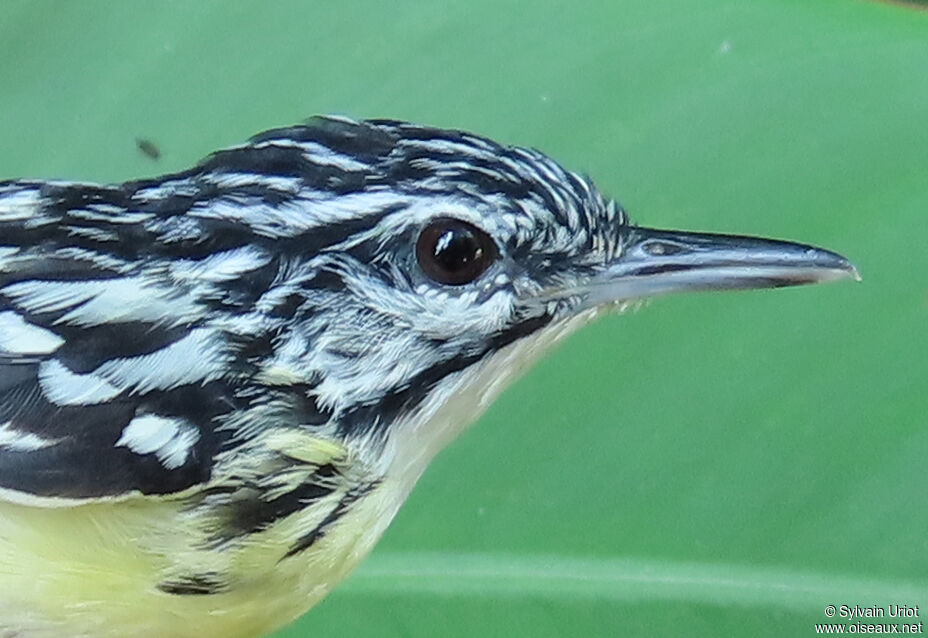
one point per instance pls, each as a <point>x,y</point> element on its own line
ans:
<point>461,398</point>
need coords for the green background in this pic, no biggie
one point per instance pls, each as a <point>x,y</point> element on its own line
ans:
<point>711,465</point>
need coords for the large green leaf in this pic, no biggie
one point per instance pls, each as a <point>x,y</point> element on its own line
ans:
<point>711,465</point>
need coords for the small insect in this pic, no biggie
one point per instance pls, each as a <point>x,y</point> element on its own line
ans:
<point>148,148</point>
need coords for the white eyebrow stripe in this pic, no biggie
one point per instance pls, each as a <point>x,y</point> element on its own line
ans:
<point>312,210</point>
<point>95,258</point>
<point>287,219</point>
<point>96,234</point>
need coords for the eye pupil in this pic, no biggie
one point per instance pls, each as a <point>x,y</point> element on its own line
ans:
<point>454,252</point>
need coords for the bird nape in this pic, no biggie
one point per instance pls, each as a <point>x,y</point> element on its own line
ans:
<point>218,386</point>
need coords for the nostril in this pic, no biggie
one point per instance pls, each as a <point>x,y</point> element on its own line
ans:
<point>661,248</point>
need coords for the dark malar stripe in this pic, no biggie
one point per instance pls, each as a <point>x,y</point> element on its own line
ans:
<point>399,403</point>
<point>306,408</point>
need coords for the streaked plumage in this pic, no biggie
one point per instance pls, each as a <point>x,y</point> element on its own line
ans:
<point>218,386</point>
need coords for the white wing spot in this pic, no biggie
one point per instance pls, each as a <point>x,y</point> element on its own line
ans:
<point>12,439</point>
<point>64,387</point>
<point>170,439</point>
<point>197,358</point>
<point>200,351</point>
<point>17,336</point>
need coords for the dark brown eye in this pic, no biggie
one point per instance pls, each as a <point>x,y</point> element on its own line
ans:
<point>454,252</point>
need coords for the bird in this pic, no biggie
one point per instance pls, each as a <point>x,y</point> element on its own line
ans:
<point>218,386</point>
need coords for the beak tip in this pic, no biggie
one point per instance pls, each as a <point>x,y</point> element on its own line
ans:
<point>843,266</point>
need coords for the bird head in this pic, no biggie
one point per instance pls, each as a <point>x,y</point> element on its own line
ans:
<point>422,268</point>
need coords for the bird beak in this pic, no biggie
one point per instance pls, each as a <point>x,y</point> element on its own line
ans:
<point>658,262</point>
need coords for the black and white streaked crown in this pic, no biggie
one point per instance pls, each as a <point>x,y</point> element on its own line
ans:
<point>151,327</point>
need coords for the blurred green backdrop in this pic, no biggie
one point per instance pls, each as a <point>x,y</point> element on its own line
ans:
<point>712,465</point>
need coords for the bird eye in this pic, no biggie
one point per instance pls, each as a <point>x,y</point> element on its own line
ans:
<point>454,252</point>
